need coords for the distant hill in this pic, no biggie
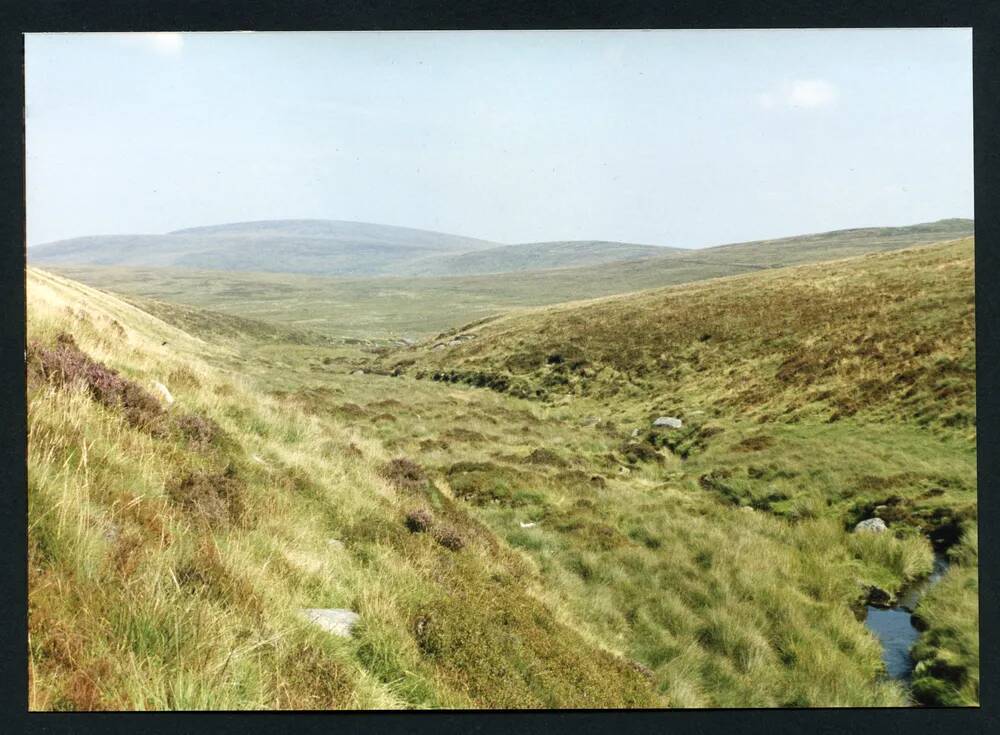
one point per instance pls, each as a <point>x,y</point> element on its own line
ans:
<point>533,256</point>
<point>318,247</point>
<point>369,307</point>
<point>358,249</point>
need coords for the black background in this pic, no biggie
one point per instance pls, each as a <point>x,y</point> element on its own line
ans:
<point>143,15</point>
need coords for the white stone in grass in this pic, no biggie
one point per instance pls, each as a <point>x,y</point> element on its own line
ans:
<point>335,544</point>
<point>669,421</point>
<point>532,524</point>
<point>871,525</point>
<point>337,621</point>
<point>164,392</point>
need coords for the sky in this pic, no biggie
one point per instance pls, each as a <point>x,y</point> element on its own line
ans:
<point>680,138</point>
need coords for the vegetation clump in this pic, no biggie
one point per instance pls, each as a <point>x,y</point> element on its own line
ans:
<point>449,538</point>
<point>404,474</point>
<point>213,498</point>
<point>419,520</point>
<point>66,364</point>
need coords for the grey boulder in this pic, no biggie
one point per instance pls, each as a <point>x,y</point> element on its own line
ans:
<point>669,421</point>
<point>333,620</point>
<point>871,525</point>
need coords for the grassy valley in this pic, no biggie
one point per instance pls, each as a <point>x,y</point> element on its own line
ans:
<point>509,524</point>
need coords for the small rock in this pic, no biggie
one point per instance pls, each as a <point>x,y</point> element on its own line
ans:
<point>111,532</point>
<point>454,342</point>
<point>747,508</point>
<point>337,621</point>
<point>668,421</point>
<point>358,372</point>
<point>871,525</point>
<point>439,346</point>
<point>532,524</point>
<point>164,392</point>
<point>635,433</point>
<point>336,544</point>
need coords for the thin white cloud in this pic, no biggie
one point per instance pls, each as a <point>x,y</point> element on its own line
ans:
<point>800,93</point>
<point>165,44</point>
<point>811,93</point>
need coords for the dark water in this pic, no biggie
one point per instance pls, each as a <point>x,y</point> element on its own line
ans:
<point>894,628</point>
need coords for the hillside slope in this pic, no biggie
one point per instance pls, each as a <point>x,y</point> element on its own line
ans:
<point>173,546</point>
<point>831,339</point>
<point>419,306</point>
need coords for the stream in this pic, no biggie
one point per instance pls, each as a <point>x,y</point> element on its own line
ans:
<point>894,628</point>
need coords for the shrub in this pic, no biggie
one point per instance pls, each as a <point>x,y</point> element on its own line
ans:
<point>545,456</point>
<point>404,474</point>
<point>200,430</point>
<point>419,520</point>
<point>211,498</point>
<point>449,538</point>
<point>66,364</point>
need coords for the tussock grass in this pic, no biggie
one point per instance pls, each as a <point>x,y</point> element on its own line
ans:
<point>947,652</point>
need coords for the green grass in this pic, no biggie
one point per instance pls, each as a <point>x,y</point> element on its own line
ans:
<point>947,652</point>
<point>718,559</point>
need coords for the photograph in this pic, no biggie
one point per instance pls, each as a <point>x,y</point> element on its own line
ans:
<point>453,370</point>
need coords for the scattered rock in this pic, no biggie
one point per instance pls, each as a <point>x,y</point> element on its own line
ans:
<point>111,532</point>
<point>669,421</point>
<point>439,346</point>
<point>531,524</point>
<point>358,372</point>
<point>169,399</point>
<point>635,433</point>
<point>871,525</point>
<point>747,508</point>
<point>337,621</point>
<point>336,544</point>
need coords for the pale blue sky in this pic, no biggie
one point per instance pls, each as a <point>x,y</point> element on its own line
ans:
<point>686,138</point>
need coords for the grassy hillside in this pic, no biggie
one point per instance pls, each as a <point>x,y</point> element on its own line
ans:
<point>323,247</point>
<point>415,307</point>
<point>172,546</point>
<point>532,256</point>
<point>601,561</point>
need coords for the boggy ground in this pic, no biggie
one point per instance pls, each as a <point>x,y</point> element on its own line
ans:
<point>535,546</point>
